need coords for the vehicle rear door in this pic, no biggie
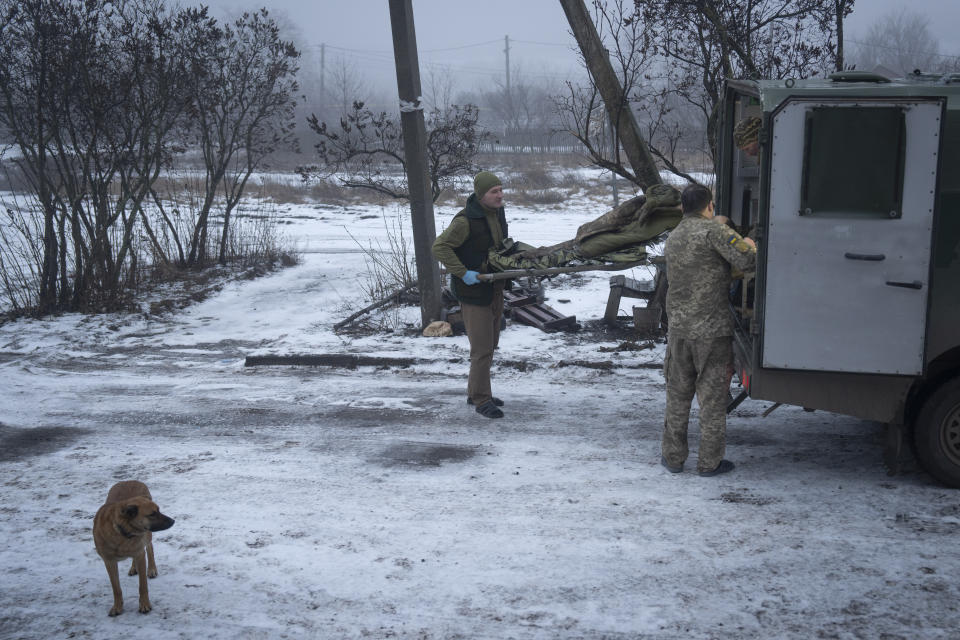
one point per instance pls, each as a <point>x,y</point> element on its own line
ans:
<point>851,208</point>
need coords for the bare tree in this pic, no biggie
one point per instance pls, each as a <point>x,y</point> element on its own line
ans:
<point>345,82</point>
<point>523,110</point>
<point>155,116</point>
<point>901,42</point>
<point>33,35</point>
<point>366,149</point>
<point>92,91</point>
<point>99,96</point>
<point>585,116</point>
<point>705,41</point>
<point>438,87</point>
<point>841,9</point>
<point>245,96</point>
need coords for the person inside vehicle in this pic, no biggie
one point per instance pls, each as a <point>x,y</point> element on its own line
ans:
<point>746,136</point>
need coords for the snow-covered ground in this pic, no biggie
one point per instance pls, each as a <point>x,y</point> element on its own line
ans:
<point>315,502</point>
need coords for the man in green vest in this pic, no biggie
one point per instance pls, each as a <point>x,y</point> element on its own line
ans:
<point>462,248</point>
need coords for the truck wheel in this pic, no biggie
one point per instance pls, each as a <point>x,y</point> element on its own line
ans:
<point>936,434</point>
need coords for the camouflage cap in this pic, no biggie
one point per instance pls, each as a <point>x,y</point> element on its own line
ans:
<point>746,131</point>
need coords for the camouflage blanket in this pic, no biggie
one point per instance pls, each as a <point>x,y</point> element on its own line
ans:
<point>619,235</point>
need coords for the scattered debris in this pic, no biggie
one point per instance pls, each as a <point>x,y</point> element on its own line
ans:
<point>393,297</point>
<point>438,329</point>
<point>628,346</point>
<point>605,365</point>
<point>342,360</point>
<point>521,305</point>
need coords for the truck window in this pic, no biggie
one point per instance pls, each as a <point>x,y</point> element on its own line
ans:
<point>853,162</point>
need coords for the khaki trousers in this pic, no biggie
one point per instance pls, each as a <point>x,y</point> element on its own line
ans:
<point>698,367</point>
<point>482,323</point>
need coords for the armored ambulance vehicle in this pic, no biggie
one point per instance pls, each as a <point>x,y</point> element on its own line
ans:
<point>854,200</point>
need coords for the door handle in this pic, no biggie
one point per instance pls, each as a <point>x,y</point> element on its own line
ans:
<point>916,284</point>
<point>869,257</point>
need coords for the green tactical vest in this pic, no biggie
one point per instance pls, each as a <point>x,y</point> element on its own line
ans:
<point>473,253</point>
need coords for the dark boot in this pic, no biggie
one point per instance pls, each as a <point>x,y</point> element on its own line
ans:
<point>669,467</point>
<point>723,467</point>
<point>489,410</point>
<point>496,401</point>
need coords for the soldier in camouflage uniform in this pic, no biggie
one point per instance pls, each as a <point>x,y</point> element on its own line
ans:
<point>699,253</point>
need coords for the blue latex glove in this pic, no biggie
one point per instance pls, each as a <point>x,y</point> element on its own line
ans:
<point>470,277</point>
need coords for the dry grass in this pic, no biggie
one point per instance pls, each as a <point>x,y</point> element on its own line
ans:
<point>537,180</point>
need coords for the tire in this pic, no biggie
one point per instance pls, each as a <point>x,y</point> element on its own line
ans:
<point>936,434</point>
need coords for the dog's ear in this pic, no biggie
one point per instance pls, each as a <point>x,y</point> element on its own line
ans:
<point>130,511</point>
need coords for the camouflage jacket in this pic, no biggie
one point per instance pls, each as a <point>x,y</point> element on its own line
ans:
<point>699,254</point>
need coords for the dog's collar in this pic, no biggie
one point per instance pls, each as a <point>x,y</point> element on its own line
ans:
<point>124,533</point>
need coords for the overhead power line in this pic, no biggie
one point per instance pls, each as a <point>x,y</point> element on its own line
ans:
<point>547,44</point>
<point>439,49</point>
<point>383,58</point>
<point>465,46</point>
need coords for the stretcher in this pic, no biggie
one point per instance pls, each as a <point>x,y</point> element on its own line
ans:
<point>546,272</point>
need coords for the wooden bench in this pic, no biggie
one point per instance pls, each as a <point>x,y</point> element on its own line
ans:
<point>649,317</point>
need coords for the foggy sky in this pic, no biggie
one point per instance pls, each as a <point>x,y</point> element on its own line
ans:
<point>466,38</point>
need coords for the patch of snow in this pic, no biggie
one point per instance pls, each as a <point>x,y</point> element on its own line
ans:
<point>318,502</point>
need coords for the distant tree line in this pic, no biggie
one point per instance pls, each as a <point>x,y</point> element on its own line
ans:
<point>900,42</point>
<point>97,99</point>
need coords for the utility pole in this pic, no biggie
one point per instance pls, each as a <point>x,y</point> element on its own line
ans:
<point>506,50</point>
<point>323,56</point>
<point>415,154</point>
<point>624,123</point>
<point>506,125</point>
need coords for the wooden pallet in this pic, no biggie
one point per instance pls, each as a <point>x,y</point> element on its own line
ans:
<point>519,298</point>
<point>522,306</point>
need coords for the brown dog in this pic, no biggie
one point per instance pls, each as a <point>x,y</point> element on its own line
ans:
<point>122,529</point>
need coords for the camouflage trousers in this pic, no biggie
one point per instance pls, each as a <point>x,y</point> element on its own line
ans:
<point>698,367</point>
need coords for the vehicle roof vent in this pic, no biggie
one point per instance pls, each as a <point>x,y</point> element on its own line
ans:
<point>926,76</point>
<point>857,76</point>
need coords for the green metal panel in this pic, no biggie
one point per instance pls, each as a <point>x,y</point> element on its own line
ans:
<point>775,92</point>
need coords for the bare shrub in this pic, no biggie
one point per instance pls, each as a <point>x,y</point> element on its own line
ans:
<point>278,191</point>
<point>254,240</point>
<point>537,196</point>
<point>255,246</point>
<point>328,191</point>
<point>391,264</point>
<point>20,239</point>
<point>537,178</point>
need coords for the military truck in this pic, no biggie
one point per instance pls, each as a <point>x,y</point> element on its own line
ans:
<point>854,200</point>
